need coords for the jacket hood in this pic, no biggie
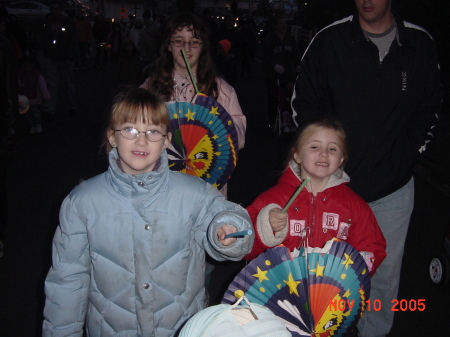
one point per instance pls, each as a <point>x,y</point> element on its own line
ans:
<point>338,178</point>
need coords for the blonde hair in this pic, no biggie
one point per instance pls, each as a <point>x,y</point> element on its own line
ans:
<point>314,125</point>
<point>136,104</point>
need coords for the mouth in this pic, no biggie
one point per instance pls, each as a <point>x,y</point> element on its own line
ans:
<point>138,153</point>
<point>322,164</point>
<point>368,9</point>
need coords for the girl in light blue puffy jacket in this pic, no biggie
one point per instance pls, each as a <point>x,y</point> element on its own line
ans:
<point>129,251</point>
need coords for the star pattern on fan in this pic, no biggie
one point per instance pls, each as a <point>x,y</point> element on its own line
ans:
<point>261,275</point>
<point>214,110</point>
<point>190,115</point>
<point>348,261</point>
<point>292,284</point>
<point>300,288</point>
<point>319,270</point>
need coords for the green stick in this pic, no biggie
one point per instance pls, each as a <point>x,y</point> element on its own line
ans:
<point>295,195</point>
<point>190,70</point>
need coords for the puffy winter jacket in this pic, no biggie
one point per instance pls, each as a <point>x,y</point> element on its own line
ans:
<point>336,211</point>
<point>129,252</point>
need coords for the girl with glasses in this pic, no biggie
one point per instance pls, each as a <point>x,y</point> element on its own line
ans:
<point>170,76</point>
<point>129,252</point>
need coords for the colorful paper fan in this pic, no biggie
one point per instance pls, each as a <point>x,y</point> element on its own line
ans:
<point>314,291</point>
<point>204,140</point>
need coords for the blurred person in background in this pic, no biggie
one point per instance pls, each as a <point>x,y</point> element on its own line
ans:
<point>59,46</point>
<point>281,57</point>
<point>149,40</point>
<point>228,63</point>
<point>135,31</point>
<point>9,109</point>
<point>83,27</point>
<point>248,50</point>
<point>33,85</point>
<point>115,40</point>
<point>100,32</point>
<point>128,70</point>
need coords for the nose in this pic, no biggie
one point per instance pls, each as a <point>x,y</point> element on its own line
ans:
<point>187,46</point>
<point>324,153</point>
<point>141,140</point>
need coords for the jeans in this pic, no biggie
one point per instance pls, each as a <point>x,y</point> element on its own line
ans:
<point>393,213</point>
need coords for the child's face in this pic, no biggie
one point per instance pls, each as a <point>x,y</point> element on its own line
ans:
<point>320,156</point>
<point>138,155</point>
<point>192,54</point>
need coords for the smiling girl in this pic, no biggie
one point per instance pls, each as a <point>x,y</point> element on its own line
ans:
<point>326,208</point>
<point>129,251</point>
<point>170,77</point>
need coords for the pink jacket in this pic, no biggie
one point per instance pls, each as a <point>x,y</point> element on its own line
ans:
<point>40,91</point>
<point>184,92</point>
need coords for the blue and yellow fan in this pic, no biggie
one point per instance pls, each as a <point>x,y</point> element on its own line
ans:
<point>315,291</point>
<point>204,140</point>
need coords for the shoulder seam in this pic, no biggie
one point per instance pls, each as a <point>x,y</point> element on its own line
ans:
<point>414,26</point>
<point>344,20</point>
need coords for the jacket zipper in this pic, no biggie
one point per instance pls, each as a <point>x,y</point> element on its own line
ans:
<point>313,228</point>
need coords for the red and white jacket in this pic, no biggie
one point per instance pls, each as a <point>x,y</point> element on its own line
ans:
<point>336,211</point>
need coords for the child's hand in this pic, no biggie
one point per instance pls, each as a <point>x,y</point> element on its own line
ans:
<point>277,219</point>
<point>224,230</point>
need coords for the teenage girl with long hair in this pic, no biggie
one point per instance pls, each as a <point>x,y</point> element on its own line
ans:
<point>170,77</point>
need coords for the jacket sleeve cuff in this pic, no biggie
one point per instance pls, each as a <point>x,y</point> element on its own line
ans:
<point>241,246</point>
<point>266,234</point>
<point>368,258</point>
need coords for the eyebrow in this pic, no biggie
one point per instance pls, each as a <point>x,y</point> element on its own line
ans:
<point>182,37</point>
<point>319,141</point>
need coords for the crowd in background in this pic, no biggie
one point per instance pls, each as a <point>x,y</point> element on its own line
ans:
<point>131,45</point>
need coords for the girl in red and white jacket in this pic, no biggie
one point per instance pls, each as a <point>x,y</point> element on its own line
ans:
<point>325,208</point>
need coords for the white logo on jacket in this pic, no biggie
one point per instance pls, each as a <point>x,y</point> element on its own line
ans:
<point>330,221</point>
<point>297,227</point>
<point>404,80</point>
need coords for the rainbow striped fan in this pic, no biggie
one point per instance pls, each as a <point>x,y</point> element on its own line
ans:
<point>314,291</point>
<point>204,140</point>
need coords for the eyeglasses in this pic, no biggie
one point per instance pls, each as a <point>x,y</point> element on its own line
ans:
<point>132,133</point>
<point>181,43</point>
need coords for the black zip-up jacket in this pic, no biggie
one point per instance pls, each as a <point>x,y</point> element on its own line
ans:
<point>388,108</point>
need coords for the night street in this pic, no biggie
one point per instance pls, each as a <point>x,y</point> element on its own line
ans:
<point>47,166</point>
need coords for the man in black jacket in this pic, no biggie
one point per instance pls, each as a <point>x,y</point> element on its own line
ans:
<point>380,76</point>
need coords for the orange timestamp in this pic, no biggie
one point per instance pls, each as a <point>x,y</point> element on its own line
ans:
<point>376,305</point>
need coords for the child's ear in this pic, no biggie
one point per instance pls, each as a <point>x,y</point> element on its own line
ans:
<point>112,138</point>
<point>296,158</point>
<point>168,140</point>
